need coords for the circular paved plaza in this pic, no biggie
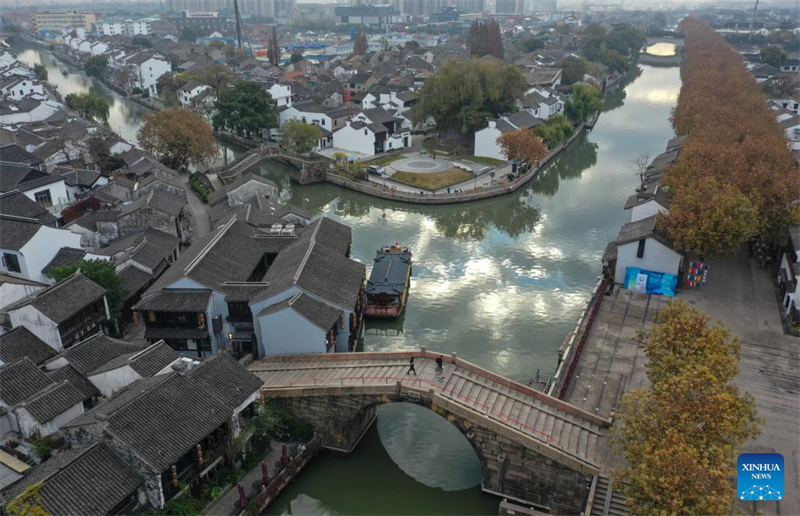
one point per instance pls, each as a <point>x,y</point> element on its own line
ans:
<point>421,165</point>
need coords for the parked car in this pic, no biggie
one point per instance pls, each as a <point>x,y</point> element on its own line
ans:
<point>376,171</point>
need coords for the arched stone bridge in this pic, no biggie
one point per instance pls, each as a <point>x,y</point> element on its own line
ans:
<point>533,447</point>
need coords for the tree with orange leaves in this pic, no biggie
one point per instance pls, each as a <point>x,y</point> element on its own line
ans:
<point>735,144</point>
<point>523,146</point>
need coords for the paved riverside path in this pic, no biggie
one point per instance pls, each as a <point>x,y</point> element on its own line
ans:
<point>541,422</point>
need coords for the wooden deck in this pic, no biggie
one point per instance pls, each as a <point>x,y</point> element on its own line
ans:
<point>536,419</point>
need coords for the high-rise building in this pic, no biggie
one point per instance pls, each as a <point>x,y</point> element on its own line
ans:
<point>509,6</point>
<point>466,6</point>
<point>57,21</point>
<point>418,7</point>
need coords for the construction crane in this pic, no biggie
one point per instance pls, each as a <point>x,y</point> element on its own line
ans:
<point>239,30</point>
<point>752,22</point>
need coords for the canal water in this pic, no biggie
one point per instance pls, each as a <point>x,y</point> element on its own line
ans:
<point>501,282</point>
<point>125,116</point>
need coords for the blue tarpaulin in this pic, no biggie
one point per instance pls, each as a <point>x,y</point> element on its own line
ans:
<point>650,282</point>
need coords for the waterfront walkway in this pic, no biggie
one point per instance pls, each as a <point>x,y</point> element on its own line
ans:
<point>551,426</point>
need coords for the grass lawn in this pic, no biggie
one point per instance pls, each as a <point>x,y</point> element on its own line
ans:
<point>485,161</point>
<point>385,160</point>
<point>433,180</point>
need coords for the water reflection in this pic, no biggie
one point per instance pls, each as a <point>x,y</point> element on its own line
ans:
<point>662,49</point>
<point>582,155</point>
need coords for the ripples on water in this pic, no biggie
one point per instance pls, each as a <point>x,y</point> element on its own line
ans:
<point>501,282</point>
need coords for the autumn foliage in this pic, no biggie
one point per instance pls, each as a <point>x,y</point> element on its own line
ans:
<point>522,145</point>
<point>680,437</point>
<point>736,153</point>
<point>178,137</point>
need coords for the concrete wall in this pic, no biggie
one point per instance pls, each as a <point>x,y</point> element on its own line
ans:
<point>657,257</point>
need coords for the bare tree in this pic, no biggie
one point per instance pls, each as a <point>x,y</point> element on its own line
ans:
<point>639,165</point>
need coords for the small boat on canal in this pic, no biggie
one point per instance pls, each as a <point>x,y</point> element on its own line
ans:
<point>387,287</point>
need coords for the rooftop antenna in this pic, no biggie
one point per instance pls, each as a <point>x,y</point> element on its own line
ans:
<point>752,22</point>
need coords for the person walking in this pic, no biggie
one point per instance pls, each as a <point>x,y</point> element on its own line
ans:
<point>411,368</point>
<point>439,368</point>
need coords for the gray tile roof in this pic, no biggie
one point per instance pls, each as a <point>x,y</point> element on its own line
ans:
<point>133,279</point>
<point>23,178</point>
<point>53,401</point>
<point>15,232</point>
<point>89,354</point>
<point>89,220</point>
<point>20,205</point>
<point>320,314</point>
<point>20,343</point>
<point>64,257</point>
<point>317,264</point>
<point>69,373</point>
<point>222,193</point>
<point>66,298</point>
<point>242,291</point>
<point>634,231</point>
<point>87,480</point>
<point>142,417</point>
<point>524,120</point>
<point>610,253</point>
<point>174,300</point>
<point>158,200</point>
<point>21,380</point>
<point>389,273</point>
<point>146,362</point>
<point>78,176</point>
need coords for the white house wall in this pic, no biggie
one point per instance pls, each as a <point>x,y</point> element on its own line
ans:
<point>644,210</point>
<point>12,292</point>
<point>486,143</point>
<point>44,245</point>
<point>109,382</point>
<point>287,332</point>
<point>38,324</point>
<point>657,257</point>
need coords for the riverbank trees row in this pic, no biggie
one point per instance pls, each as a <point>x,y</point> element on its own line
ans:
<point>735,177</point>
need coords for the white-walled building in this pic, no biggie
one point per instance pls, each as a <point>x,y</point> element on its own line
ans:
<point>486,145</point>
<point>646,204</point>
<point>27,247</point>
<point>18,88</point>
<point>190,91</point>
<point>641,244</point>
<point>148,67</point>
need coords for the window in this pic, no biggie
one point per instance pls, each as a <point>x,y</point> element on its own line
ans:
<point>11,262</point>
<point>44,198</point>
<point>640,251</point>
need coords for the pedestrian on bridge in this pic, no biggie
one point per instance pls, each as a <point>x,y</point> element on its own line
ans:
<point>439,368</point>
<point>411,368</point>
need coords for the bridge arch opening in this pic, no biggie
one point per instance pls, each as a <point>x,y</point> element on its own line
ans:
<point>428,447</point>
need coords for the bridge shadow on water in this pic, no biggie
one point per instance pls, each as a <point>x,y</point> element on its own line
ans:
<point>412,461</point>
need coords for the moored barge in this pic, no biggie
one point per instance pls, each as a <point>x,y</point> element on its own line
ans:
<point>387,287</point>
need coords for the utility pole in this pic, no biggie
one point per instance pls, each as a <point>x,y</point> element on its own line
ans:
<point>752,22</point>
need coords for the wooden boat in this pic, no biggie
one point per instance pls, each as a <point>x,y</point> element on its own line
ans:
<point>387,287</point>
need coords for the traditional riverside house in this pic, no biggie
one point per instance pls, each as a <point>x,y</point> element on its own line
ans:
<point>315,296</point>
<point>242,190</point>
<point>641,244</point>
<point>18,204</point>
<point>33,403</point>
<point>211,401</point>
<point>645,204</point>
<point>91,353</point>
<point>159,210</point>
<point>48,190</point>
<point>157,181</point>
<point>190,91</point>
<point>63,313</point>
<point>204,302</point>
<point>26,247</point>
<point>486,139</point>
<point>89,479</point>
<point>67,256</point>
<point>79,181</point>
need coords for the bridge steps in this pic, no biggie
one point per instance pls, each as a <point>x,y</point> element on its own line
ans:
<point>543,419</point>
<point>607,501</point>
